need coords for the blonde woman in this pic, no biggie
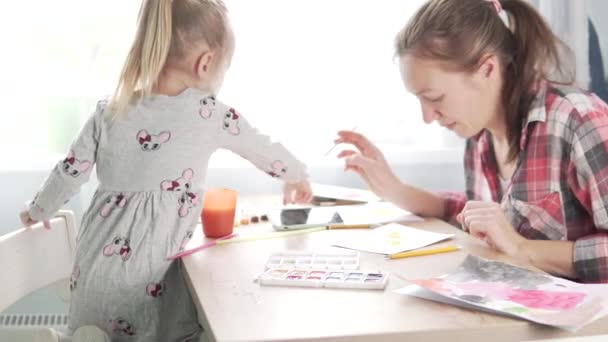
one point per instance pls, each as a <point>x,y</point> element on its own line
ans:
<point>150,144</point>
<point>536,156</point>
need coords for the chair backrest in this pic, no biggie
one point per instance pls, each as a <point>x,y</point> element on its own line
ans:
<point>32,258</point>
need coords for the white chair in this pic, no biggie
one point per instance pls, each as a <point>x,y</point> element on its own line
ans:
<point>31,259</point>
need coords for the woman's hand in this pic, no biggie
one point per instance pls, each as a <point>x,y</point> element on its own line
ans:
<point>487,221</point>
<point>369,163</point>
<point>299,192</point>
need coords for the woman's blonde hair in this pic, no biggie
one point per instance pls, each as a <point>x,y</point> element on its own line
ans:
<point>462,32</point>
<point>166,29</point>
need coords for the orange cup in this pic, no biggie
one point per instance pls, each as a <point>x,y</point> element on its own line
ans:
<point>218,212</point>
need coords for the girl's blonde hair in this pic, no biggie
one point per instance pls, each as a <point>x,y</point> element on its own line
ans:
<point>166,29</point>
<point>462,32</point>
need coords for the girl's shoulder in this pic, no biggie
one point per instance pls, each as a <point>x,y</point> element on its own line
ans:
<point>188,100</point>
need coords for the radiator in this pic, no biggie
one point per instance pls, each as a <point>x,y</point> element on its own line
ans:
<point>34,320</point>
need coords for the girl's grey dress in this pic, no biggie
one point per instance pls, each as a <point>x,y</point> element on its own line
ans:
<point>151,164</point>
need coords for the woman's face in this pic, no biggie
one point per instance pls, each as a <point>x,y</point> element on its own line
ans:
<point>463,102</point>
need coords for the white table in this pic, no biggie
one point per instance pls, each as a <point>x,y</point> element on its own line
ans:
<point>232,307</point>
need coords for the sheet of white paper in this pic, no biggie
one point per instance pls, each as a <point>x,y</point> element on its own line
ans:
<point>343,193</point>
<point>389,239</point>
<point>375,213</point>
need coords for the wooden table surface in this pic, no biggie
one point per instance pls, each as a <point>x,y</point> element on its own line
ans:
<point>232,307</point>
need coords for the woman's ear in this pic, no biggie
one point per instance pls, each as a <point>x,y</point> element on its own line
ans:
<point>203,63</point>
<point>488,67</point>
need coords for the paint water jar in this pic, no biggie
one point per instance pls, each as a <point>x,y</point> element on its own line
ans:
<point>218,212</point>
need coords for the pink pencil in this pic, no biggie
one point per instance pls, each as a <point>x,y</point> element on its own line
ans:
<point>201,247</point>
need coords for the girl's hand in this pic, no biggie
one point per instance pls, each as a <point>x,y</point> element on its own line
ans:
<point>27,221</point>
<point>487,221</point>
<point>369,163</point>
<point>299,192</point>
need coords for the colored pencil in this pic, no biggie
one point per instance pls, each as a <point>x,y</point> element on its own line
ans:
<point>201,247</point>
<point>421,252</point>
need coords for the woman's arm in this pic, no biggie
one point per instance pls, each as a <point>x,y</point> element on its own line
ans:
<point>418,201</point>
<point>369,163</point>
<point>588,180</point>
<point>554,257</point>
<point>487,221</point>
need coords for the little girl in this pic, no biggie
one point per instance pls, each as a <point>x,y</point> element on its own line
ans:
<point>151,143</point>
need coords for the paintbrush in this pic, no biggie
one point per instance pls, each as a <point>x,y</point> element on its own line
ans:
<point>332,148</point>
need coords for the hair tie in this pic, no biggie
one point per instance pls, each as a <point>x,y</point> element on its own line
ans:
<point>504,17</point>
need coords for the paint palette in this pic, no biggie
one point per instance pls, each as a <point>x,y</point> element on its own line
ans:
<point>324,278</point>
<point>340,260</point>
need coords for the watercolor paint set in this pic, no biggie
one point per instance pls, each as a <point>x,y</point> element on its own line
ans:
<point>344,279</point>
<point>338,260</point>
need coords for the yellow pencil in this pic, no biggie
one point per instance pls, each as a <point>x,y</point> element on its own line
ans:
<point>424,252</point>
<point>350,226</point>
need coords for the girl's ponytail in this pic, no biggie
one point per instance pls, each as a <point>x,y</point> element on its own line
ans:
<point>146,57</point>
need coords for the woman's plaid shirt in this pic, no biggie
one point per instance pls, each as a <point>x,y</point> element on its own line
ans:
<point>559,190</point>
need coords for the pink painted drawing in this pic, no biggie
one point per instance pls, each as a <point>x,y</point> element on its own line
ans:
<point>488,291</point>
<point>549,300</point>
<point>515,291</point>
